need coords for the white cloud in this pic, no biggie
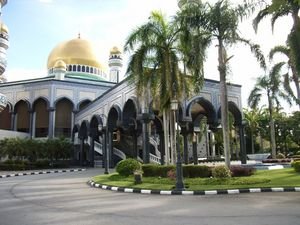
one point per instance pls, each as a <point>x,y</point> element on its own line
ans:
<point>46,1</point>
<point>24,74</point>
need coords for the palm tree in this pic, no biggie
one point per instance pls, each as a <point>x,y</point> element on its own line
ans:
<point>278,9</point>
<point>220,23</point>
<point>154,66</point>
<point>253,117</point>
<point>268,85</point>
<point>285,50</point>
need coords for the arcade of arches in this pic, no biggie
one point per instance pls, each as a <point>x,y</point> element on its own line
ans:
<point>122,130</point>
<point>39,119</point>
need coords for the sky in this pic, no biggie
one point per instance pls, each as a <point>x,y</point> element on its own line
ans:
<point>37,26</point>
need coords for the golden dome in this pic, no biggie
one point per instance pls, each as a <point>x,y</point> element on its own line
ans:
<point>115,51</point>
<point>76,51</point>
<point>60,64</point>
<point>3,28</point>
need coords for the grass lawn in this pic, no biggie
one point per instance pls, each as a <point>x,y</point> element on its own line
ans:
<point>263,178</point>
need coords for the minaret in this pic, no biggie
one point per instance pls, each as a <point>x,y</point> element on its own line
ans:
<point>3,48</point>
<point>60,69</point>
<point>115,65</point>
<point>3,45</point>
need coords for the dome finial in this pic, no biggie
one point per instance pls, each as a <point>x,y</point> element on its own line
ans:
<point>78,35</point>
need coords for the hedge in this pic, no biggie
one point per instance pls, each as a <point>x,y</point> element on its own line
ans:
<point>153,170</point>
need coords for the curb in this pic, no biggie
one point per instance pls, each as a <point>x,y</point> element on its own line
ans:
<point>210,192</point>
<point>40,172</point>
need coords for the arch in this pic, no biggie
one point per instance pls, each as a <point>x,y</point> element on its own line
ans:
<point>75,130</point>
<point>130,111</point>
<point>235,111</point>
<point>83,69</point>
<point>5,118</point>
<point>74,68</point>
<point>41,98</point>
<point>63,117</point>
<point>40,108</point>
<point>78,68</point>
<point>83,103</point>
<point>95,122</point>
<point>87,69</point>
<point>84,129</point>
<point>114,117</point>
<point>22,119</point>
<point>70,68</point>
<point>209,110</point>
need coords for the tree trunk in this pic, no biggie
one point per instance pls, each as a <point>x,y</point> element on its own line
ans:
<point>272,128</point>
<point>166,136</point>
<point>224,101</point>
<point>252,143</point>
<point>172,137</point>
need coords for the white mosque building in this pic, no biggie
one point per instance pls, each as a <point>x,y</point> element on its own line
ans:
<point>79,100</point>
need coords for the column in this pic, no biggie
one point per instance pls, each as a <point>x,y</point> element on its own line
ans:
<point>104,149</point>
<point>195,154</point>
<point>91,150</point>
<point>32,123</point>
<point>162,148</point>
<point>110,148</point>
<point>213,144</point>
<point>51,123</point>
<point>146,118</point>
<point>185,145</point>
<point>13,122</point>
<point>81,150</point>
<point>243,145</point>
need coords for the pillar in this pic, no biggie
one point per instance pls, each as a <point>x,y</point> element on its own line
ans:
<point>110,148</point>
<point>13,121</point>
<point>243,144</point>
<point>91,150</point>
<point>195,154</point>
<point>145,119</point>
<point>185,145</point>
<point>51,123</point>
<point>162,148</point>
<point>81,150</point>
<point>213,145</point>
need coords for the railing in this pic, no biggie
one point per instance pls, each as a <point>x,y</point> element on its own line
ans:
<point>119,153</point>
<point>155,144</point>
<point>154,159</point>
<point>98,148</point>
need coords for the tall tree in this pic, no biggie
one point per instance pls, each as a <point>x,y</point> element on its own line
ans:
<point>252,117</point>
<point>278,9</point>
<point>285,50</point>
<point>268,85</point>
<point>154,65</point>
<point>220,22</point>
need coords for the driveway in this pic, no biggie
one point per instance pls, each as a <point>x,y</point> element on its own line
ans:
<point>65,198</point>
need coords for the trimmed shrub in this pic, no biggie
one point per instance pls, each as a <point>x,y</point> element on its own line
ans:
<point>171,174</point>
<point>276,160</point>
<point>280,156</point>
<point>196,171</point>
<point>296,166</point>
<point>221,172</point>
<point>154,170</point>
<point>240,171</point>
<point>127,167</point>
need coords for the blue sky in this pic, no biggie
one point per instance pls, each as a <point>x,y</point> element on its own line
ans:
<point>37,26</point>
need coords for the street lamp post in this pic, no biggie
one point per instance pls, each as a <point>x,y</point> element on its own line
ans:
<point>179,174</point>
<point>105,145</point>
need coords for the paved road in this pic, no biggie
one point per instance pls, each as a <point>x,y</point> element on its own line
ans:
<point>66,199</point>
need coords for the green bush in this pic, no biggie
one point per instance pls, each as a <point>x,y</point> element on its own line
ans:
<point>280,156</point>
<point>196,171</point>
<point>296,166</point>
<point>127,167</point>
<point>154,170</point>
<point>221,172</point>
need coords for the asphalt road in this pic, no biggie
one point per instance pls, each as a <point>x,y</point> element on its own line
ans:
<point>65,199</point>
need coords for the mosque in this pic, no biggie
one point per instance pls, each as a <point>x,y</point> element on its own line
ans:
<point>101,114</point>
